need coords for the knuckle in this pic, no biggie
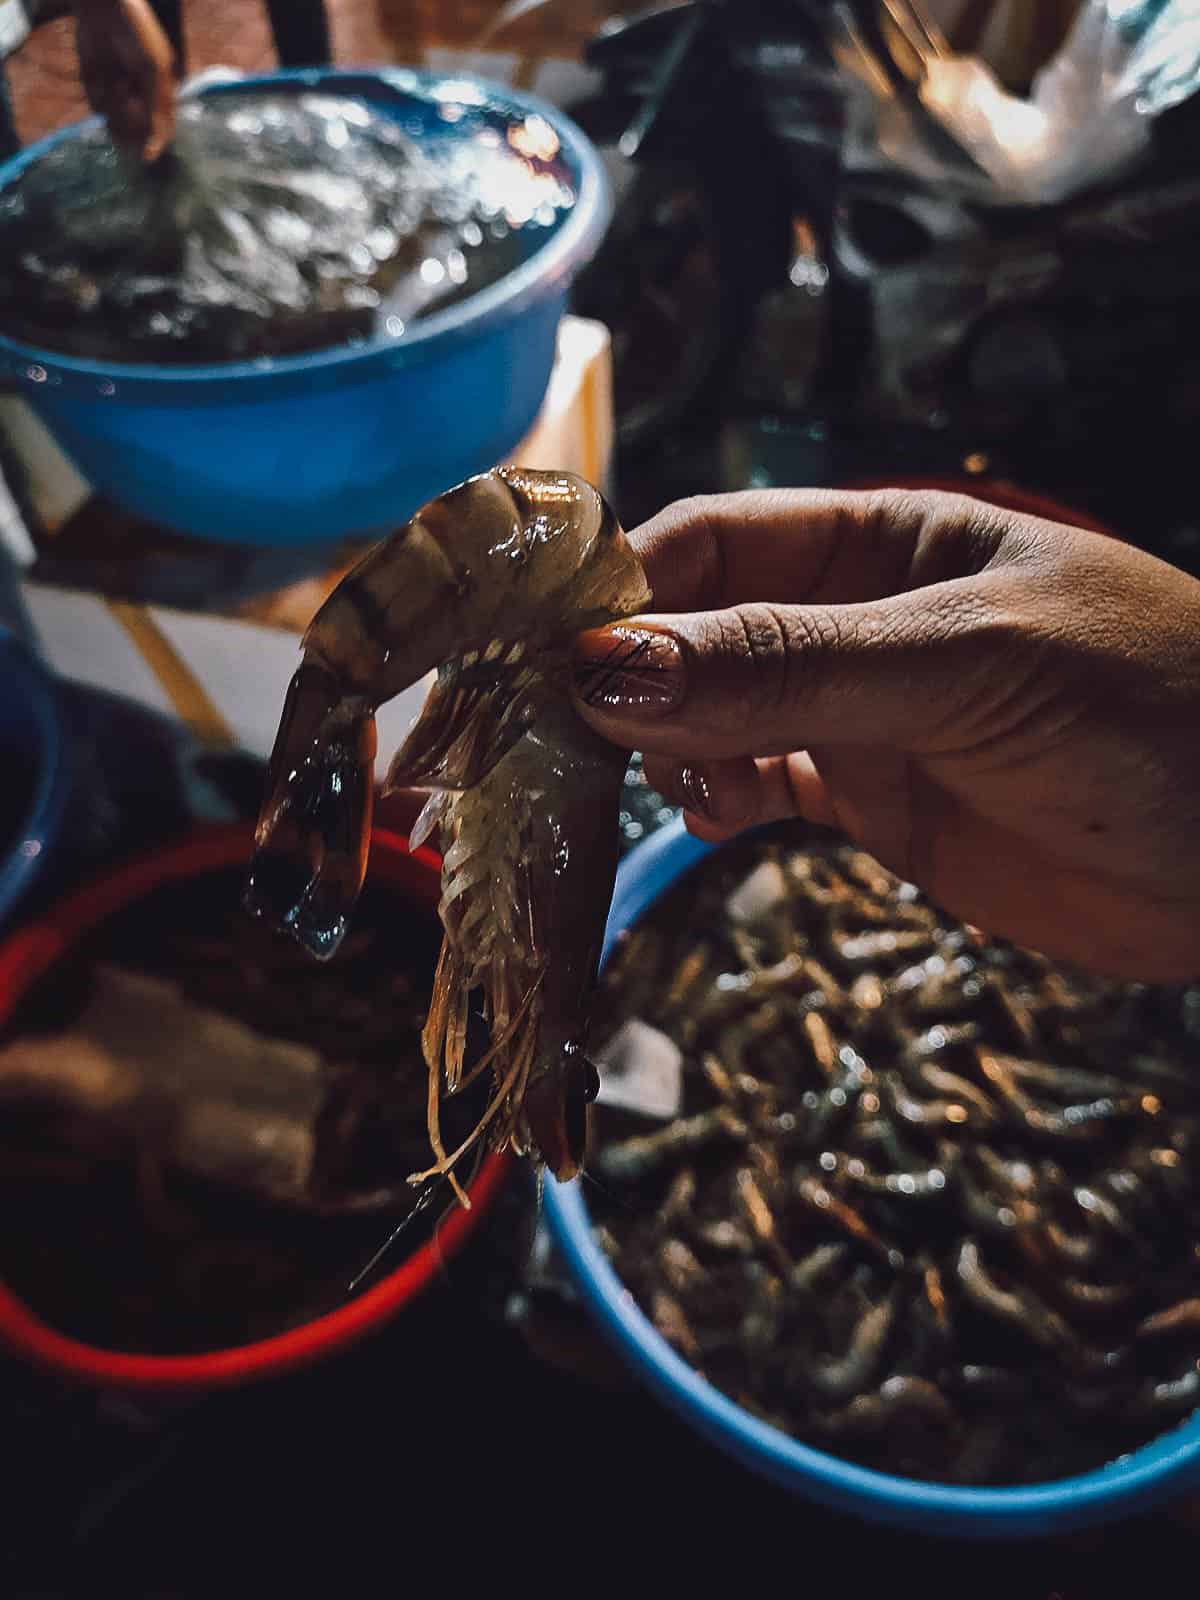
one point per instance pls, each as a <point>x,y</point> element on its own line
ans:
<point>693,509</point>
<point>962,613</point>
<point>764,642</point>
<point>692,515</point>
<point>760,643</point>
<point>683,554</point>
<point>942,505</point>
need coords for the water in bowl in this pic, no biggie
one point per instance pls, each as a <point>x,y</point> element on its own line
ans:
<point>277,223</point>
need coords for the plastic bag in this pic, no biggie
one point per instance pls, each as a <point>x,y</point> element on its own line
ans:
<point>1087,119</point>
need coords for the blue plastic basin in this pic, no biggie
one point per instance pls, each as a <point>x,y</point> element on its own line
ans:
<point>35,766</point>
<point>1166,1467</point>
<point>346,442</point>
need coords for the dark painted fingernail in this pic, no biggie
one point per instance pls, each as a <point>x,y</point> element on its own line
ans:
<point>697,796</point>
<point>630,669</point>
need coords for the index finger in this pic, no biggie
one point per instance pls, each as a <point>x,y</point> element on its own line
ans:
<point>156,70</point>
<point>820,546</point>
<point>162,116</point>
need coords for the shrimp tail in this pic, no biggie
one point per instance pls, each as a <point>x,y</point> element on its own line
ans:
<point>315,824</point>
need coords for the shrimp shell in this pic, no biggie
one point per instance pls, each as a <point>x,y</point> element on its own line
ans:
<point>489,585</point>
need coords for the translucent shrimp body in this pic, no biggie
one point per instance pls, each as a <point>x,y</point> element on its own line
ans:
<point>489,584</point>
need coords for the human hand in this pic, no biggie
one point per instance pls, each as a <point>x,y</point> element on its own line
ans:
<point>1004,710</point>
<point>128,71</point>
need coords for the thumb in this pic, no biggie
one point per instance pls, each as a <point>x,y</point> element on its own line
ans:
<point>768,679</point>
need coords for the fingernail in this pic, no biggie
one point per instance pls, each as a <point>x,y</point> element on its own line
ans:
<point>697,797</point>
<point>631,669</point>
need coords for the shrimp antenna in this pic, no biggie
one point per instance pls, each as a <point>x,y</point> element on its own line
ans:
<point>424,1200</point>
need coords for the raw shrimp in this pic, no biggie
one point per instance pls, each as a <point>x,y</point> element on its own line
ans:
<point>957,1244</point>
<point>489,584</point>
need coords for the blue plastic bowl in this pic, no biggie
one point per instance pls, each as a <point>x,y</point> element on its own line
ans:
<point>35,766</point>
<point>346,442</point>
<point>1168,1466</point>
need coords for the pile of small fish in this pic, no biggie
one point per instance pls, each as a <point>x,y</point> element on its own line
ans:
<point>930,1202</point>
